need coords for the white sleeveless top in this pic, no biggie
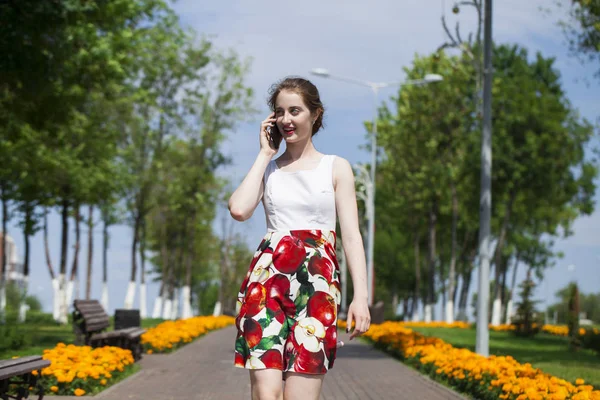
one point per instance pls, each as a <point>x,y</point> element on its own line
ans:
<point>300,199</point>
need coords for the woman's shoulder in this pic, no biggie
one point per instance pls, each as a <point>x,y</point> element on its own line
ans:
<point>341,169</point>
<point>339,162</point>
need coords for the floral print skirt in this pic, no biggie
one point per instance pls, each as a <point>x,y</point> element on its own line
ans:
<point>288,304</point>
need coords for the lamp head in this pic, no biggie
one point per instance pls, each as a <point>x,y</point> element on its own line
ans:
<point>433,78</point>
<point>320,72</point>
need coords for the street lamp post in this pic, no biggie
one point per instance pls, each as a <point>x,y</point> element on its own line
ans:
<point>370,182</point>
<point>485,201</point>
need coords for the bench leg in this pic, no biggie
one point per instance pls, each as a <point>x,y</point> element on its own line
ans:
<point>22,393</point>
<point>22,390</point>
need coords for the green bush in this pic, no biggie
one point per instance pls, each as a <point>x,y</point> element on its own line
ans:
<point>527,321</point>
<point>590,340</point>
<point>13,338</point>
<point>39,318</point>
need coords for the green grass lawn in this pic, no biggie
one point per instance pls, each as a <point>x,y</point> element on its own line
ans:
<point>548,352</point>
<point>46,336</point>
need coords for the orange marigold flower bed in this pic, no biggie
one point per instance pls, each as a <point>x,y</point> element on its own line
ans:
<point>169,335</point>
<point>77,370</point>
<point>494,377</point>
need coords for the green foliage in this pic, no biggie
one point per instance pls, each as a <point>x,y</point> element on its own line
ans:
<point>206,297</point>
<point>581,27</point>
<point>589,305</point>
<point>12,337</point>
<point>431,139</point>
<point>527,320</point>
<point>117,106</point>
<point>14,296</point>
<point>590,340</point>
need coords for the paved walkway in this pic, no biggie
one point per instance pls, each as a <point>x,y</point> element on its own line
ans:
<point>204,370</point>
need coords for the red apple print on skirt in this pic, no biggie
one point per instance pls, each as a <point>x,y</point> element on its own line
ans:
<point>309,238</point>
<point>309,363</point>
<point>288,303</point>
<point>318,265</point>
<point>330,344</point>
<point>252,332</point>
<point>322,306</point>
<point>289,254</point>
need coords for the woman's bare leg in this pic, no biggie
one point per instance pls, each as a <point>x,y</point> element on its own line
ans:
<point>302,386</point>
<point>266,384</point>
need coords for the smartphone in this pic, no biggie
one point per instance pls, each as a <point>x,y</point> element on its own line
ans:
<point>275,135</point>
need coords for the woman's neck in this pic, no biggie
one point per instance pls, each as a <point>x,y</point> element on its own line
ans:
<point>296,151</point>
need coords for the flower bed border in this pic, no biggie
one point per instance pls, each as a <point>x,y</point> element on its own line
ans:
<point>512,380</point>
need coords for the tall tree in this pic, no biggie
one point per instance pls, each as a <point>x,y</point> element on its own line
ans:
<point>581,27</point>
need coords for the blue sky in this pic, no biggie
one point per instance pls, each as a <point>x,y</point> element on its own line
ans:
<point>367,40</point>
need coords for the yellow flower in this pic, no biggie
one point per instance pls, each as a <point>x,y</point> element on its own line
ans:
<point>504,377</point>
<point>54,389</point>
<point>579,381</point>
<point>79,392</point>
<point>170,334</point>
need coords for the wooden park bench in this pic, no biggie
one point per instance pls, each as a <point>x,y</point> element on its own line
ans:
<point>17,374</point>
<point>90,322</point>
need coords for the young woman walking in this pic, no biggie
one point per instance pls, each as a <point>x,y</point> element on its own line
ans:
<point>289,300</point>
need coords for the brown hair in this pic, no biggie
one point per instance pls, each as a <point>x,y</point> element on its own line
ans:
<point>307,91</point>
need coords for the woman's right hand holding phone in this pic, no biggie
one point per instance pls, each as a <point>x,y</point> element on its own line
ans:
<point>268,143</point>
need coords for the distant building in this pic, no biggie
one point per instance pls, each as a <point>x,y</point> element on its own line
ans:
<point>14,268</point>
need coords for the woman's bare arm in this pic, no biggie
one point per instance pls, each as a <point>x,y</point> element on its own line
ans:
<point>246,197</point>
<point>347,210</point>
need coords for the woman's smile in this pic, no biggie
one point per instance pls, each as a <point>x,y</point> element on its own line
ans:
<point>289,130</point>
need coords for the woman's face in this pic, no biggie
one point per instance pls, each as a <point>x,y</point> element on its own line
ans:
<point>294,119</point>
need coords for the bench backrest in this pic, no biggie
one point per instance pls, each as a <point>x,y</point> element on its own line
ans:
<point>92,314</point>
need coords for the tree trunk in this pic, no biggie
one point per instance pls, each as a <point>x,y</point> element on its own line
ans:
<point>186,291</point>
<point>497,307</point>
<point>178,278</point>
<point>158,302</point>
<point>73,284</point>
<point>170,287</point>
<point>395,302</point>
<point>3,262</point>
<point>62,292</point>
<point>224,267</point>
<point>441,273</point>
<point>46,247</point>
<point>432,259</point>
<point>88,283</point>
<point>453,251</point>
<point>24,289</point>
<point>503,288</point>
<point>164,255</point>
<point>143,302</point>
<point>105,239</point>
<point>53,279</point>
<point>417,251</point>
<point>130,296</point>
<point>466,284</point>
<point>509,307</point>
<point>458,282</point>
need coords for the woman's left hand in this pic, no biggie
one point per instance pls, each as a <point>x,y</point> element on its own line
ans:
<point>358,311</point>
